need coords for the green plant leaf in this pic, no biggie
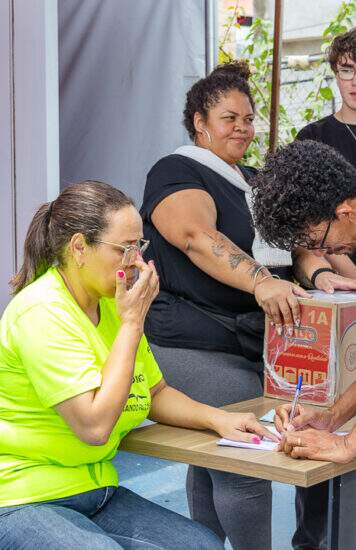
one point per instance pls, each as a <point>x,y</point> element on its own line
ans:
<point>326,93</point>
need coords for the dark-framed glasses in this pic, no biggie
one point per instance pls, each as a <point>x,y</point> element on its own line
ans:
<point>336,249</point>
<point>322,246</point>
<point>129,250</point>
<point>346,73</point>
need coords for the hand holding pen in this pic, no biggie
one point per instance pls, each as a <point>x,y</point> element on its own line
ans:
<point>288,411</point>
<point>296,398</point>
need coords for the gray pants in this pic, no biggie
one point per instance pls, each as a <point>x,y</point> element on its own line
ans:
<point>232,505</point>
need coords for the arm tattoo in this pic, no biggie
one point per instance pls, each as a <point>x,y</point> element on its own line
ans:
<point>218,245</point>
<point>218,248</point>
<point>235,258</point>
<point>221,245</point>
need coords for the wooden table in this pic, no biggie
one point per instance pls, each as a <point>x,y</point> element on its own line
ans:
<point>200,449</point>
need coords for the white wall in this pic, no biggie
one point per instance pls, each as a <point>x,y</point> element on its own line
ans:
<point>29,165</point>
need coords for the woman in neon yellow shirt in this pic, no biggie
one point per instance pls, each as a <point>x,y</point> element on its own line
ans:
<point>76,375</point>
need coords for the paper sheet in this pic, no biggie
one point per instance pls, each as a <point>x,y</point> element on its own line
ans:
<point>265,444</point>
<point>269,416</point>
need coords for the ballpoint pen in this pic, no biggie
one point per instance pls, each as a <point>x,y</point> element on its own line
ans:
<point>296,397</point>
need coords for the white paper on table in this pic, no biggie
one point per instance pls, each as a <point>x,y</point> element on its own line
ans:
<point>269,416</point>
<point>146,422</point>
<point>265,444</point>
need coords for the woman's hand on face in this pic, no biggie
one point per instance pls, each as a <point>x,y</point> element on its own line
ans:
<point>241,427</point>
<point>317,445</point>
<point>133,304</point>
<point>278,299</point>
<point>328,282</point>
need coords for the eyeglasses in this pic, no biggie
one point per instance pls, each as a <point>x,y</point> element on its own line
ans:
<point>322,244</point>
<point>337,249</point>
<point>130,250</point>
<point>346,73</point>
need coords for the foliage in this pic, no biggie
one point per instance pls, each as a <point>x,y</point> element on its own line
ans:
<point>259,52</point>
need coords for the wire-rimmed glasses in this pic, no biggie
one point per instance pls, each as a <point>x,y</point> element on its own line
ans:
<point>129,251</point>
<point>346,73</point>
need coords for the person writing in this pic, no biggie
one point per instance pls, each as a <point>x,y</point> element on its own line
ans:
<point>76,375</point>
<point>310,434</point>
<point>217,280</point>
<point>339,131</point>
<point>313,208</point>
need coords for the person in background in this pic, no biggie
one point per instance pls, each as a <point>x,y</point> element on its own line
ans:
<point>76,375</point>
<point>217,278</point>
<point>338,131</point>
<point>305,198</point>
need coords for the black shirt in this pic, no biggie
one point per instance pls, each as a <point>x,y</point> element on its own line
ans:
<point>331,131</point>
<point>172,321</point>
<point>334,133</point>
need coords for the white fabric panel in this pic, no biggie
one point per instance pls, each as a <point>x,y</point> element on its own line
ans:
<point>124,70</point>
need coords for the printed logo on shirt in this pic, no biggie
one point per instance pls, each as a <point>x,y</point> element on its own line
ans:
<point>141,403</point>
<point>138,378</point>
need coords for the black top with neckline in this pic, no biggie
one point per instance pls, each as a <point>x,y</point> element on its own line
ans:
<point>331,131</point>
<point>171,321</point>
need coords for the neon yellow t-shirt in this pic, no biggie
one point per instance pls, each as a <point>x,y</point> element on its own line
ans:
<point>50,351</point>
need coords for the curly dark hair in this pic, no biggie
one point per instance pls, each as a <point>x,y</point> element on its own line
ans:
<point>206,93</point>
<point>344,44</point>
<point>300,186</point>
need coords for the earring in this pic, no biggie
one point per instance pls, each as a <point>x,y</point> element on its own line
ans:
<point>209,136</point>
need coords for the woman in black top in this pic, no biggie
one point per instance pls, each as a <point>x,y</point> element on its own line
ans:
<point>196,215</point>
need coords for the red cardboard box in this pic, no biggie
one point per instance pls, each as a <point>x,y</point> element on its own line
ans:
<point>322,350</point>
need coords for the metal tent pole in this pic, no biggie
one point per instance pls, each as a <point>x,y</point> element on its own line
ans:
<point>276,74</point>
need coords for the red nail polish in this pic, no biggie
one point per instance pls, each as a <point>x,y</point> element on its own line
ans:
<point>120,274</point>
<point>256,440</point>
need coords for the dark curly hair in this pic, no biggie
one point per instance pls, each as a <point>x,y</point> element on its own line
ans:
<point>342,45</point>
<point>301,185</point>
<point>206,93</point>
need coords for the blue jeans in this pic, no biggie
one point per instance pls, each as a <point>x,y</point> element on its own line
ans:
<point>103,519</point>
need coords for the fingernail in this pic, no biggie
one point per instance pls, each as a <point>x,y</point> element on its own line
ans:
<point>120,274</point>
<point>297,322</point>
<point>290,331</point>
<point>279,331</point>
<point>290,428</point>
<point>256,440</point>
<point>151,262</point>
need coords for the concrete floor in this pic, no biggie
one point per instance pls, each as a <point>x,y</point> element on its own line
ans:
<point>164,482</point>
